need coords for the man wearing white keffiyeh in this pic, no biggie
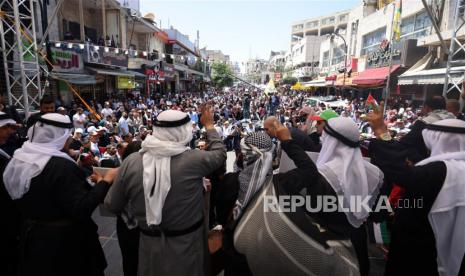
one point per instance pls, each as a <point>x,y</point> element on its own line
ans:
<point>162,186</point>
<point>56,203</point>
<point>427,239</point>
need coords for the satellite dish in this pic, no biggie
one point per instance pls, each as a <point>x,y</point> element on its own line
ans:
<point>150,16</point>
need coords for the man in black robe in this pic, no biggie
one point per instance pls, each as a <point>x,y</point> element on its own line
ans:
<point>428,231</point>
<point>58,236</point>
<point>412,144</point>
<point>8,210</point>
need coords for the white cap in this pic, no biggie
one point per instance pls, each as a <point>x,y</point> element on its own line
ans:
<point>91,129</point>
<point>79,130</point>
<point>100,128</point>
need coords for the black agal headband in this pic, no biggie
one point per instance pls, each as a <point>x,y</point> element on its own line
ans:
<point>450,129</point>
<point>55,123</point>
<point>5,117</point>
<point>329,130</point>
<point>177,123</point>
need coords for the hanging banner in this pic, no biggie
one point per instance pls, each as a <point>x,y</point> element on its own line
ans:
<point>169,71</point>
<point>125,82</point>
<point>67,60</point>
<point>100,56</point>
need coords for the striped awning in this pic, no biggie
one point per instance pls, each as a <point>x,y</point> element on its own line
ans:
<point>431,76</point>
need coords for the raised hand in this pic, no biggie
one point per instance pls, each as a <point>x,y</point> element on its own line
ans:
<point>376,119</point>
<point>282,132</point>
<point>207,117</point>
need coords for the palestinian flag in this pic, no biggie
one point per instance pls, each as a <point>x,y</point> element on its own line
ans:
<point>396,24</point>
<point>378,233</point>
<point>371,102</point>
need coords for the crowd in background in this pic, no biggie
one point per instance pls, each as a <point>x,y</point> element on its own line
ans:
<point>237,112</point>
<point>252,124</point>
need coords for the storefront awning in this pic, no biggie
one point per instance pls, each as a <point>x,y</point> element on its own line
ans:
<point>376,76</point>
<point>431,76</point>
<point>195,72</point>
<point>346,80</point>
<point>331,78</point>
<point>180,68</point>
<point>116,72</point>
<point>79,79</point>
<point>315,83</point>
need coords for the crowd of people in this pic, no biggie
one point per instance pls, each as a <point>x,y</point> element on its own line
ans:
<point>163,174</point>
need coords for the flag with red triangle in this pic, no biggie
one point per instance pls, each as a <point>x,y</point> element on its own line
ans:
<point>371,102</point>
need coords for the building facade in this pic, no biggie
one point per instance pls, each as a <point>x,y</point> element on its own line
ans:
<point>256,70</point>
<point>355,45</point>
<point>319,26</point>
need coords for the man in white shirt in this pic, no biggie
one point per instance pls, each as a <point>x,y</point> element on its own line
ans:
<point>250,128</point>
<point>79,119</point>
<point>107,111</point>
<point>219,129</point>
<point>123,124</point>
<point>141,105</point>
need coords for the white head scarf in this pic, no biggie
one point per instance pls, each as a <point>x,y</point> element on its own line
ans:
<point>447,215</point>
<point>346,171</point>
<point>6,120</point>
<point>158,149</point>
<point>29,161</point>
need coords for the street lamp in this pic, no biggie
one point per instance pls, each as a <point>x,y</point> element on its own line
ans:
<point>336,33</point>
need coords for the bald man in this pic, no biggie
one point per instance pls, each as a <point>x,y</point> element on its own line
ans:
<point>453,106</point>
<point>303,140</point>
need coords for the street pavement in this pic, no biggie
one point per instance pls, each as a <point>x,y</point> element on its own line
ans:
<point>109,240</point>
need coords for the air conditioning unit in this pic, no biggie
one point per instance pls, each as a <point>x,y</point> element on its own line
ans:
<point>94,56</point>
<point>135,13</point>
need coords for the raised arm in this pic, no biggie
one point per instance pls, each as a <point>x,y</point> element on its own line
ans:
<point>306,171</point>
<point>215,156</point>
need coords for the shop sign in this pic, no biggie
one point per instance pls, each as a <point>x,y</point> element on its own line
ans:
<point>124,82</point>
<point>65,60</point>
<point>347,81</point>
<point>155,75</point>
<point>136,63</point>
<point>100,56</point>
<point>380,57</point>
<point>169,70</point>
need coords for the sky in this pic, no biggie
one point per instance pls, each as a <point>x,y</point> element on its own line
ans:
<point>243,29</point>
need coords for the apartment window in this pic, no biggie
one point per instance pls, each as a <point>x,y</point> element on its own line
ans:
<point>338,55</point>
<point>298,27</point>
<point>415,26</point>
<point>324,21</point>
<point>343,18</point>
<point>325,59</point>
<point>373,40</point>
<point>332,20</point>
<point>312,24</point>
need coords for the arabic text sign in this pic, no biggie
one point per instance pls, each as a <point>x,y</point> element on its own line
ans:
<point>65,60</point>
